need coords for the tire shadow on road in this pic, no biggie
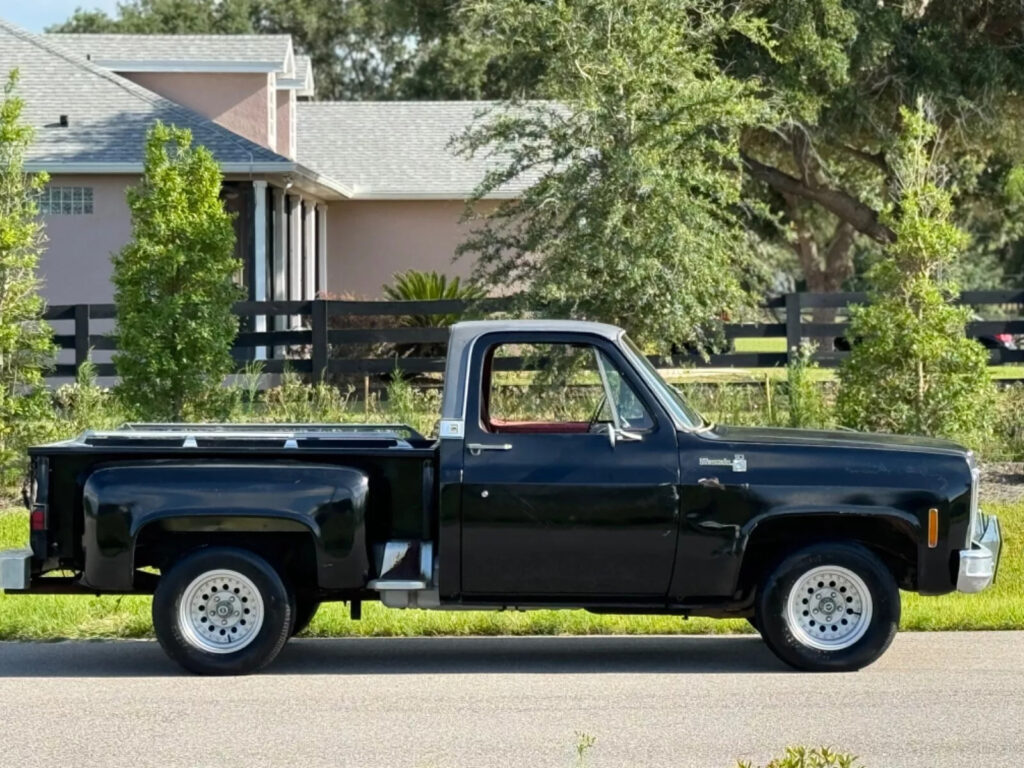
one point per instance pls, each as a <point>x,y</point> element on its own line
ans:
<point>417,655</point>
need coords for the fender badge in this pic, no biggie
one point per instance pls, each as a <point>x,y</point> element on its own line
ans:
<point>738,463</point>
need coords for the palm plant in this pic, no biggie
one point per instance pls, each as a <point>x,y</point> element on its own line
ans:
<point>414,285</point>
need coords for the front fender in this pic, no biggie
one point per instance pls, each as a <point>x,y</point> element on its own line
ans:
<point>121,500</point>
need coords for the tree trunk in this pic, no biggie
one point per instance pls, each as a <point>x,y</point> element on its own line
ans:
<point>824,272</point>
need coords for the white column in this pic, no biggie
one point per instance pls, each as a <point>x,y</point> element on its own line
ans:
<point>259,261</point>
<point>280,251</point>
<point>295,254</point>
<point>309,250</point>
<point>321,247</point>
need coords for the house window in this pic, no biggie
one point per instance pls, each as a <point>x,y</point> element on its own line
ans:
<point>65,201</point>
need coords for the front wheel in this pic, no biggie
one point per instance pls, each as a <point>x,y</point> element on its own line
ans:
<point>830,607</point>
<point>304,610</point>
<point>222,611</point>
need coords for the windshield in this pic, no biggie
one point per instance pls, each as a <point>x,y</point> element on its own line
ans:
<point>668,394</point>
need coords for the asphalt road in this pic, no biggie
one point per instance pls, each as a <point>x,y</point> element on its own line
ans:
<point>937,700</point>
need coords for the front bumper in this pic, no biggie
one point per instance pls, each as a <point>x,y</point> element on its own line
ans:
<point>978,564</point>
<point>15,569</point>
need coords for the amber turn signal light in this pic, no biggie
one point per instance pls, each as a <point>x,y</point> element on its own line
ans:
<point>933,528</point>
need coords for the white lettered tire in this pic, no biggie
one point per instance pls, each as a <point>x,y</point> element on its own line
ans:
<point>222,611</point>
<point>829,607</point>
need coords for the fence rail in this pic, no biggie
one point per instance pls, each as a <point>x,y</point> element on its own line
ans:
<point>323,337</point>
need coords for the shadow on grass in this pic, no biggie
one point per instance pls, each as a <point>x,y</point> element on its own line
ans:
<point>417,655</point>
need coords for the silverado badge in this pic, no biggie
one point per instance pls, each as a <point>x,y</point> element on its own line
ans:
<point>737,462</point>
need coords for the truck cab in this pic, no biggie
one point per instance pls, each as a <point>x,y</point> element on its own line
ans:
<point>567,474</point>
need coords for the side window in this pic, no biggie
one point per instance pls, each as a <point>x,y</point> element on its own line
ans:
<point>627,406</point>
<point>556,388</point>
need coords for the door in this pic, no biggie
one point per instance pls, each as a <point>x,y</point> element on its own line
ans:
<point>569,473</point>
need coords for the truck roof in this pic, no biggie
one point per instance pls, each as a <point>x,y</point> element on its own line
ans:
<point>464,331</point>
<point>460,344</point>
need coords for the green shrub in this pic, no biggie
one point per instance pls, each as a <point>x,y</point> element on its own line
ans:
<point>414,285</point>
<point>417,407</point>
<point>84,404</point>
<point>912,368</point>
<point>26,346</point>
<point>802,757</point>
<point>807,406</point>
<point>296,402</point>
<point>174,284</point>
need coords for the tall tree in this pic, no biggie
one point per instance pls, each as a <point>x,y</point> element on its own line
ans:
<point>171,17</point>
<point>842,69</point>
<point>174,283</point>
<point>26,347</point>
<point>633,215</point>
<point>912,368</point>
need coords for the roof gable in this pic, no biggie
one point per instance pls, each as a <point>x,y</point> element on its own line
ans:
<point>182,53</point>
<point>395,149</point>
<point>108,115</point>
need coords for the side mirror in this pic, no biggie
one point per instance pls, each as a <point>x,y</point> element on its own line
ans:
<point>615,434</point>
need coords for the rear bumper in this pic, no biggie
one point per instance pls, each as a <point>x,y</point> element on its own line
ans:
<point>15,569</point>
<point>978,565</point>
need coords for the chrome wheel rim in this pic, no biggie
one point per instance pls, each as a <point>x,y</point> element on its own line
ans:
<point>220,612</point>
<point>829,608</point>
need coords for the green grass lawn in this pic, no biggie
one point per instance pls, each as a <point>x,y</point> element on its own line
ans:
<point>51,617</point>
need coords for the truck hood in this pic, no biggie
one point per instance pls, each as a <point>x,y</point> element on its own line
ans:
<point>836,438</point>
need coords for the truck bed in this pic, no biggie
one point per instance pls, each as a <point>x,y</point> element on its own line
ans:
<point>397,459</point>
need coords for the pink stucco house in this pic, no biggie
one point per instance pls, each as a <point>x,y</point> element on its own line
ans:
<point>330,196</point>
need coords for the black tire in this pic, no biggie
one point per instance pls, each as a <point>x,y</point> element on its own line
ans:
<point>752,621</point>
<point>179,636</point>
<point>867,632</point>
<point>303,611</point>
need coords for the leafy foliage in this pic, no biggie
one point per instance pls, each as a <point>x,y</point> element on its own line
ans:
<point>633,214</point>
<point>807,406</point>
<point>912,369</point>
<point>174,284</point>
<point>842,70</point>
<point>802,757</point>
<point>414,285</point>
<point>170,17</point>
<point>25,340</point>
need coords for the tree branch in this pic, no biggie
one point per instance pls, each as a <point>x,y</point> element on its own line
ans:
<point>861,217</point>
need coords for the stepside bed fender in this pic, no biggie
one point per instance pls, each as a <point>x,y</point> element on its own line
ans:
<point>122,501</point>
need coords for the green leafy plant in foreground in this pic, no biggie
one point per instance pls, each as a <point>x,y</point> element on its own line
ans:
<point>802,757</point>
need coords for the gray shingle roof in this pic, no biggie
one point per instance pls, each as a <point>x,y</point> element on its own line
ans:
<point>108,115</point>
<point>303,80</point>
<point>269,51</point>
<point>394,149</point>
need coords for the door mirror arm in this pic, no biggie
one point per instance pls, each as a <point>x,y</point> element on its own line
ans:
<point>615,434</point>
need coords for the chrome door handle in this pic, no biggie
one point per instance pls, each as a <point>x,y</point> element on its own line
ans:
<point>477,448</point>
<point>711,482</point>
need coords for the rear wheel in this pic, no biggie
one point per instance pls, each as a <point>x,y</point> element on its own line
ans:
<point>831,607</point>
<point>222,611</point>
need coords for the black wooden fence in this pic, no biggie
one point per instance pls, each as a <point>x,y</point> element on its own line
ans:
<point>323,337</point>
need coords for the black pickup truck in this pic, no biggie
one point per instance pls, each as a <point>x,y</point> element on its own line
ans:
<point>567,474</point>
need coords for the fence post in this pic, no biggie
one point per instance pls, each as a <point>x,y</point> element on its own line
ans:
<point>792,325</point>
<point>81,335</point>
<point>320,346</point>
